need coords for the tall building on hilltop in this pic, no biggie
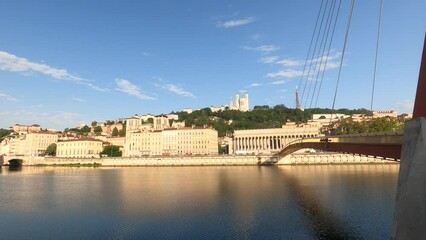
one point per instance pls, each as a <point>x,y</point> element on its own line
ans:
<point>241,104</point>
<point>297,99</point>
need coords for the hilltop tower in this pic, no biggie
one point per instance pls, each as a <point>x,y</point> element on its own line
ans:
<point>246,104</point>
<point>297,99</point>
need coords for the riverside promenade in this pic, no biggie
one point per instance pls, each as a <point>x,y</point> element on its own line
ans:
<point>214,160</point>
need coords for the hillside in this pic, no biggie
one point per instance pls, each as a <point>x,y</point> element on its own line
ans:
<point>225,122</point>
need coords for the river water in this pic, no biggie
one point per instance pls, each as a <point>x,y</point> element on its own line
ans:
<point>238,202</point>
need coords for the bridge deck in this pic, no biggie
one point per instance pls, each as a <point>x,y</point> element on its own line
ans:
<point>386,145</point>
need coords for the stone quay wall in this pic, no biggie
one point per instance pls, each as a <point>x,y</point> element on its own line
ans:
<point>331,158</point>
<point>216,160</point>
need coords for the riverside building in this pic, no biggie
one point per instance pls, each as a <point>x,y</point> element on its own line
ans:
<point>31,144</point>
<point>171,141</point>
<point>79,148</point>
<point>272,140</point>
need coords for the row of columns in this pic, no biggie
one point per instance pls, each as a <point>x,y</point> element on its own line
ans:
<point>265,143</point>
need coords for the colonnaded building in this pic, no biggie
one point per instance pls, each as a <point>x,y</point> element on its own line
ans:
<point>272,140</point>
<point>144,139</point>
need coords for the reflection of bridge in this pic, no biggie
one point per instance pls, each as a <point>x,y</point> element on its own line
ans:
<point>386,145</point>
<point>410,208</point>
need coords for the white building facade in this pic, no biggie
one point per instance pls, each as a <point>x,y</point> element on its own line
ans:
<point>266,141</point>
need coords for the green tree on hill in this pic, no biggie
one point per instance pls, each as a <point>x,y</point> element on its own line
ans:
<point>225,122</point>
<point>111,151</point>
<point>97,130</point>
<point>114,132</point>
<point>51,150</point>
<point>4,133</point>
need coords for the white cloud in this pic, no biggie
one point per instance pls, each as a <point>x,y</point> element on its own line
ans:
<point>255,37</point>
<point>263,48</point>
<point>287,73</point>
<point>290,62</point>
<point>174,89</point>
<point>255,85</point>
<point>96,88</point>
<point>279,82</point>
<point>242,91</point>
<point>269,59</point>
<point>405,106</point>
<point>8,98</point>
<point>12,63</point>
<point>235,22</point>
<point>127,87</point>
<point>79,99</point>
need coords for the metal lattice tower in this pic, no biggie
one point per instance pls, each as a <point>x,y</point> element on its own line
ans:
<point>297,99</point>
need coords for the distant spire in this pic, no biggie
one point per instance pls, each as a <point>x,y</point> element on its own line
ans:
<point>297,99</point>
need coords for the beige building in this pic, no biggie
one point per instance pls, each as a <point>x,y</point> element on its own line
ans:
<point>143,123</point>
<point>79,148</point>
<point>188,110</point>
<point>271,140</point>
<point>36,143</point>
<point>31,144</point>
<point>5,147</point>
<point>217,109</point>
<point>326,118</point>
<point>109,128</point>
<point>24,129</point>
<point>116,141</point>
<point>143,143</point>
<point>172,141</point>
<point>390,113</point>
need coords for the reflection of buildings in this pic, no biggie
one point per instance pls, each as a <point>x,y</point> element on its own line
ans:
<point>241,104</point>
<point>273,139</point>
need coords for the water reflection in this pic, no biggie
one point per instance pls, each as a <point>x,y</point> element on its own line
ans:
<point>15,168</point>
<point>300,202</point>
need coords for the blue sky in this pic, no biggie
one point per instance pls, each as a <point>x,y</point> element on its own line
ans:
<point>63,63</point>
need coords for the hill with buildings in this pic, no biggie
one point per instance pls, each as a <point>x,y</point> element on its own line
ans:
<point>261,117</point>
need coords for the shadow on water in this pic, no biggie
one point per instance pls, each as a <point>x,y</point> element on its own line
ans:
<point>15,168</point>
<point>323,222</point>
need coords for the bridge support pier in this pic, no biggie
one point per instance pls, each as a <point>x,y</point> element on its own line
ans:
<point>410,207</point>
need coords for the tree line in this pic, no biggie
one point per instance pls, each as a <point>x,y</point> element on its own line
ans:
<point>226,122</point>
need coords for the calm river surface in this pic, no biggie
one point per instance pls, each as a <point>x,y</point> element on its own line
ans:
<point>279,202</point>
